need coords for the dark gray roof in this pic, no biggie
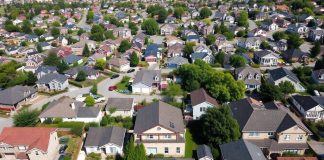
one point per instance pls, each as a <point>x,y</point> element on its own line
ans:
<point>204,151</point>
<point>246,71</point>
<point>46,69</point>
<point>199,55</point>
<point>159,114</point>
<point>88,70</point>
<point>178,60</point>
<point>87,112</point>
<point>241,149</point>
<point>100,136</point>
<point>282,72</point>
<point>293,53</point>
<point>309,102</point>
<point>147,77</point>
<point>52,76</point>
<point>16,94</point>
<point>121,104</point>
<point>70,59</point>
<point>263,53</point>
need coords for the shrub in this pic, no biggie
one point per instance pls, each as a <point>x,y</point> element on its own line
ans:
<point>76,127</point>
<point>26,118</point>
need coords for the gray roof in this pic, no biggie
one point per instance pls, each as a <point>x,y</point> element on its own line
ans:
<point>246,71</point>
<point>204,151</point>
<point>264,53</point>
<point>50,77</point>
<point>46,69</point>
<point>147,77</point>
<point>199,55</point>
<point>309,102</point>
<point>178,60</point>
<point>159,114</point>
<point>121,104</point>
<point>241,149</point>
<point>88,70</point>
<point>100,136</point>
<point>16,94</point>
<point>70,59</point>
<point>282,72</point>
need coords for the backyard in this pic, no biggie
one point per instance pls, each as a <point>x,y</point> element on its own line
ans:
<point>190,144</point>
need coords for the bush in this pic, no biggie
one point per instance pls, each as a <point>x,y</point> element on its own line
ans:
<point>89,101</point>
<point>91,124</point>
<point>26,118</point>
<point>76,127</point>
<point>48,121</point>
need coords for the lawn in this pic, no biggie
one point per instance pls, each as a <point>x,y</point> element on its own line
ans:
<point>123,84</point>
<point>87,82</point>
<point>190,144</point>
<point>4,114</point>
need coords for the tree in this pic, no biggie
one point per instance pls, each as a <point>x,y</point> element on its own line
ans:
<point>219,127</point>
<point>81,76</point>
<point>86,51</point>
<point>26,27</point>
<point>124,46</point>
<point>55,32</point>
<point>220,58</point>
<point>31,79</point>
<point>210,39</point>
<point>90,16</point>
<point>93,156</point>
<point>39,31</point>
<point>173,90</point>
<point>62,66</point>
<point>205,13</point>
<point>134,60</point>
<point>294,40</point>
<point>264,45</point>
<point>80,32</point>
<point>243,19</point>
<point>316,49</point>
<point>188,48</point>
<point>311,23</point>
<point>150,26</point>
<point>229,35</point>
<point>319,64</point>
<point>94,89</point>
<point>279,35</point>
<point>269,92</point>
<point>89,101</point>
<point>26,118</point>
<point>100,64</point>
<point>237,61</point>
<point>52,60</point>
<point>286,87</point>
<point>178,12</point>
<point>163,14</point>
<point>129,150</point>
<point>140,152</point>
<point>39,48</point>
<point>133,27</point>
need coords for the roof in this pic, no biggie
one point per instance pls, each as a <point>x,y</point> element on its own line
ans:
<point>16,94</point>
<point>50,77</point>
<point>159,114</point>
<point>100,136</point>
<point>282,72</point>
<point>297,158</point>
<point>88,70</point>
<point>264,53</point>
<point>308,102</point>
<point>33,137</point>
<point>46,69</point>
<point>147,77</point>
<point>241,149</point>
<point>70,59</point>
<point>204,151</point>
<point>118,61</point>
<point>152,49</point>
<point>199,55</point>
<point>246,71</point>
<point>293,53</point>
<point>199,96</point>
<point>121,104</point>
<point>178,60</point>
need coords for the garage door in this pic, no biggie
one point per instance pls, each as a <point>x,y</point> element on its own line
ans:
<point>151,150</point>
<point>146,90</point>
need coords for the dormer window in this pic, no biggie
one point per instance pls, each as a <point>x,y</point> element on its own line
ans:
<point>250,76</point>
<point>321,76</point>
<point>257,77</point>
<point>156,78</point>
<point>239,76</point>
<point>158,128</point>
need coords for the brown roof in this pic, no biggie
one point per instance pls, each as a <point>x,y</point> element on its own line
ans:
<point>118,61</point>
<point>200,95</point>
<point>31,136</point>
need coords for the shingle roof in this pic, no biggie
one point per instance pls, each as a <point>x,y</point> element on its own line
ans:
<point>159,114</point>
<point>118,61</point>
<point>200,95</point>
<point>46,69</point>
<point>16,94</point>
<point>121,104</point>
<point>282,72</point>
<point>52,76</point>
<point>178,60</point>
<point>263,53</point>
<point>204,151</point>
<point>70,59</point>
<point>99,136</point>
<point>309,102</point>
<point>147,77</point>
<point>88,70</point>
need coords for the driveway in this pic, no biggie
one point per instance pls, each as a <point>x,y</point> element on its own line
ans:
<point>5,122</point>
<point>83,22</point>
<point>252,25</point>
<point>318,147</point>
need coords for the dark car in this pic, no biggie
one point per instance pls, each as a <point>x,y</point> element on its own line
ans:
<point>111,88</point>
<point>131,70</point>
<point>62,149</point>
<point>114,76</point>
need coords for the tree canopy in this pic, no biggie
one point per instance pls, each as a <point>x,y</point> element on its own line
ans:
<point>316,49</point>
<point>237,61</point>
<point>134,60</point>
<point>150,26</point>
<point>243,19</point>
<point>294,40</point>
<point>124,46</point>
<point>210,39</point>
<point>100,64</point>
<point>26,118</point>
<point>89,101</point>
<point>286,87</point>
<point>205,13</point>
<point>81,76</point>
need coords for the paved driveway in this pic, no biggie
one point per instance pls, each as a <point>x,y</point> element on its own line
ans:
<point>5,122</point>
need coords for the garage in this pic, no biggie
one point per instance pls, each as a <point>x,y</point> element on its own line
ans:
<point>151,150</point>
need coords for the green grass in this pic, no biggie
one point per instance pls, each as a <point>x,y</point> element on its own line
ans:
<point>88,82</point>
<point>123,84</point>
<point>4,114</point>
<point>190,144</point>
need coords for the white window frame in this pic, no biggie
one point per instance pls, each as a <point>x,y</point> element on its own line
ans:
<point>287,137</point>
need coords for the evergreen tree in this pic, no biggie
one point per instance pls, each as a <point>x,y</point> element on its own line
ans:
<point>81,76</point>
<point>129,150</point>
<point>94,89</point>
<point>140,152</point>
<point>134,60</point>
<point>31,79</point>
<point>62,66</point>
<point>316,49</point>
<point>86,51</point>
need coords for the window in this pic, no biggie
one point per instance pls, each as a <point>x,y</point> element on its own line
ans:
<point>299,137</point>
<point>21,147</point>
<point>167,136</point>
<point>158,128</point>
<point>202,109</point>
<point>257,77</point>
<point>287,137</point>
<point>240,76</point>
<point>253,134</point>
<point>178,149</point>
<point>270,133</point>
<point>150,136</point>
<point>36,152</point>
<point>166,150</point>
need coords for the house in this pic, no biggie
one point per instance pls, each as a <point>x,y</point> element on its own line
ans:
<point>250,76</point>
<point>52,82</point>
<point>62,51</point>
<point>72,59</point>
<point>31,143</point>
<point>230,19</point>
<point>11,50</point>
<point>282,22</point>
<point>295,55</point>
<point>90,72</point>
<point>120,107</point>
<point>93,58</point>
<point>13,97</point>
<point>77,48</point>
<point>279,46</point>
<point>304,18</point>
<point>159,127</point>
<point>250,42</point>
<point>171,40</point>
<point>122,16</point>
<point>266,58</point>
<point>318,76</point>
<point>269,26</point>
<point>119,64</point>
<point>310,107</point>
<point>44,69</point>
<point>175,50</point>
<point>257,32</point>
<point>33,63</point>
<point>200,102</point>
<point>204,152</point>
<point>106,140</point>
<point>275,131</point>
<point>282,74</point>
<point>45,46</point>
<point>167,29</point>
<point>152,53</point>
<point>219,16</point>
<point>176,62</point>
<point>241,149</point>
<point>299,28</point>
<point>202,52</point>
<point>261,16</point>
<point>146,81</point>
<point>316,34</point>
<point>70,110</point>
<point>122,32</point>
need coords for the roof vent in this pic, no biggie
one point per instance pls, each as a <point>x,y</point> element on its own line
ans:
<point>171,125</point>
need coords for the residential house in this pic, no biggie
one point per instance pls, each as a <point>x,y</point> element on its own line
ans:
<point>120,107</point>
<point>72,59</point>
<point>250,76</point>
<point>122,32</point>
<point>159,127</point>
<point>106,140</point>
<point>52,82</point>
<point>77,48</point>
<point>282,22</point>
<point>279,46</point>
<point>122,16</point>
<point>167,29</point>
<point>318,76</point>
<point>146,81</point>
<point>202,52</point>
<point>90,72</point>
<point>45,46</point>
<point>175,50</point>
<point>282,74</point>
<point>304,18</point>
<point>261,16</point>
<point>13,97</point>
<point>241,149</point>
<point>230,19</point>
<point>250,42</point>
<point>70,110</point>
<point>44,69</point>
<point>171,40</point>
<point>310,107</point>
<point>204,152</point>
<point>152,53</point>
<point>176,62</point>
<point>219,16</point>
<point>119,64</point>
<point>316,34</point>
<point>93,58</point>
<point>269,26</point>
<point>297,28</point>
<point>62,51</point>
<point>295,55</point>
<point>31,143</point>
<point>266,58</point>
<point>200,102</point>
<point>33,63</point>
<point>257,32</point>
<point>170,20</point>
<point>12,50</point>
<point>206,30</point>
<point>275,131</point>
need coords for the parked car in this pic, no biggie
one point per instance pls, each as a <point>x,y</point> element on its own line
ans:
<point>62,149</point>
<point>131,70</point>
<point>114,76</point>
<point>111,88</point>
